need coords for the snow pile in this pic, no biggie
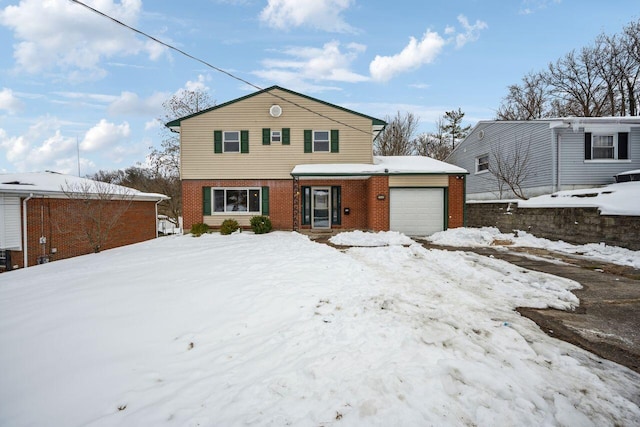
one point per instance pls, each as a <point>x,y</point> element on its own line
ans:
<point>614,199</point>
<point>277,330</point>
<point>485,236</point>
<point>361,238</point>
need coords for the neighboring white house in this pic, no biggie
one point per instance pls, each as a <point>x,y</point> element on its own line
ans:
<point>555,154</point>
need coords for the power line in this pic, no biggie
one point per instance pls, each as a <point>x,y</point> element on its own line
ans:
<point>207,64</point>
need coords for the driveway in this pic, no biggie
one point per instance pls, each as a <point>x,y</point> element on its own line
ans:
<point>606,323</point>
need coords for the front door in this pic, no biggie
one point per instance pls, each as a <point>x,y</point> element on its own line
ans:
<point>321,207</point>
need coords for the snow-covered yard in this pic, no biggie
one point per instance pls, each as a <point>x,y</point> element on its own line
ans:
<point>277,330</point>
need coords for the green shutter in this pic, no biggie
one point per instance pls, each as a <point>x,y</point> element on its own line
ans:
<point>217,141</point>
<point>307,141</point>
<point>286,140</point>
<point>266,136</point>
<point>206,200</point>
<point>244,141</point>
<point>336,205</point>
<point>306,205</point>
<point>335,140</point>
<point>265,201</point>
<point>587,145</point>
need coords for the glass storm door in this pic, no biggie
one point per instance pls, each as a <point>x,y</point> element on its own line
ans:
<point>320,207</point>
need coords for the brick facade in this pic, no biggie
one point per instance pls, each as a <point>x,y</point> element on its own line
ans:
<point>367,201</point>
<point>64,236</point>
<point>456,201</point>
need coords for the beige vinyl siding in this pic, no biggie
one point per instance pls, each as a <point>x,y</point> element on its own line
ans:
<point>216,220</point>
<point>274,161</point>
<point>418,181</point>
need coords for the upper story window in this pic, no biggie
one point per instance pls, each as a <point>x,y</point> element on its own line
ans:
<point>482,163</point>
<point>606,146</point>
<point>231,141</point>
<point>320,140</point>
<point>276,136</point>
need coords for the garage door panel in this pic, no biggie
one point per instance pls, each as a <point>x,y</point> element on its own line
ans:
<point>417,211</point>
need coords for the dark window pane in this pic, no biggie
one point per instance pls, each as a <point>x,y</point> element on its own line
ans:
<point>218,200</point>
<point>236,201</point>
<point>254,200</point>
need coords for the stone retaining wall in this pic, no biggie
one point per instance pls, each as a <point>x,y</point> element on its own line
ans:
<point>573,225</point>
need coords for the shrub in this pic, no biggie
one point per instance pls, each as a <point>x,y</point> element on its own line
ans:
<point>229,226</point>
<point>261,224</point>
<point>199,229</point>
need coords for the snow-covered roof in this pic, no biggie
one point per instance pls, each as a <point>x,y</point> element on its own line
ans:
<point>57,184</point>
<point>614,199</point>
<point>391,165</point>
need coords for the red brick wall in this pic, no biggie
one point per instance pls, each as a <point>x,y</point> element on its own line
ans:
<point>53,219</point>
<point>378,209</point>
<point>353,196</point>
<point>456,201</point>
<point>280,199</point>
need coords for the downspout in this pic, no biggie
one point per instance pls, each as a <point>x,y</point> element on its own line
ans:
<point>25,251</point>
<point>157,217</point>
<point>558,174</point>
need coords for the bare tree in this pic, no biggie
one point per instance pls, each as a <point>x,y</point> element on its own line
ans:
<point>510,165</point>
<point>165,161</point>
<point>95,209</point>
<point>435,144</point>
<point>526,101</point>
<point>397,138</point>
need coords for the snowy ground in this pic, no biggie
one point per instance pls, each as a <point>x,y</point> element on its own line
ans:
<point>486,236</point>
<point>277,330</point>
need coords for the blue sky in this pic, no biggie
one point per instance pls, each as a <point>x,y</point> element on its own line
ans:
<point>69,78</point>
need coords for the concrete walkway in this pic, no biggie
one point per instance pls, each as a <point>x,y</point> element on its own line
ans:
<point>606,323</point>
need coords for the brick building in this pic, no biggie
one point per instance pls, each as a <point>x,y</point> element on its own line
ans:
<point>49,216</point>
<point>308,164</point>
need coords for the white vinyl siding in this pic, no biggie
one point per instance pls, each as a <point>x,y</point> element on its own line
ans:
<point>10,224</point>
<point>416,211</point>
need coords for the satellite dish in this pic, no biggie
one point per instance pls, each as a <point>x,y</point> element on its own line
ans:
<point>275,110</point>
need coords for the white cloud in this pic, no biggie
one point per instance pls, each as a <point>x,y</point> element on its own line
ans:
<point>323,15</point>
<point>306,66</point>
<point>105,135</point>
<point>425,51</point>
<point>153,124</point>
<point>129,103</point>
<point>9,102</point>
<point>198,85</point>
<point>64,35</point>
<point>528,7</point>
<point>471,32</point>
<point>415,54</point>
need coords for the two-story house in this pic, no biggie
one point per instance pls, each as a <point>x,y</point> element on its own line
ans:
<point>308,164</point>
<point>547,155</point>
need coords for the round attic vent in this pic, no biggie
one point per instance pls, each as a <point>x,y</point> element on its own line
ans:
<point>481,134</point>
<point>275,110</point>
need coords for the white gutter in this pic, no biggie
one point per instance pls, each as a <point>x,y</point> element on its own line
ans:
<point>25,241</point>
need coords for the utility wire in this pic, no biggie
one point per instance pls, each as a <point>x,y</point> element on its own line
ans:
<point>207,64</point>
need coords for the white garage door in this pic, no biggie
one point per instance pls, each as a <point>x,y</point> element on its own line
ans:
<point>417,211</point>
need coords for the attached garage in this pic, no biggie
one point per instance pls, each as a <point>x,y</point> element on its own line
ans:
<point>417,211</point>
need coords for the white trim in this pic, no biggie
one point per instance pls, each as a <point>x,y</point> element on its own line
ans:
<point>232,212</point>
<point>279,140</point>
<point>224,132</point>
<point>477,164</point>
<point>313,141</point>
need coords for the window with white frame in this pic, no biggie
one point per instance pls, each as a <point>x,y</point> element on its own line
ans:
<point>321,140</point>
<point>231,141</point>
<point>236,200</point>
<point>482,163</point>
<point>276,136</point>
<point>603,147</point>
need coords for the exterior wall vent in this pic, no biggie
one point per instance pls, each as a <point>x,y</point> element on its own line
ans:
<point>275,110</point>
<point>481,135</point>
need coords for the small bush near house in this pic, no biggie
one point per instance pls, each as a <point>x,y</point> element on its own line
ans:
<point>229,226</point>
<point>260,224</point>
<point>199,229</point>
